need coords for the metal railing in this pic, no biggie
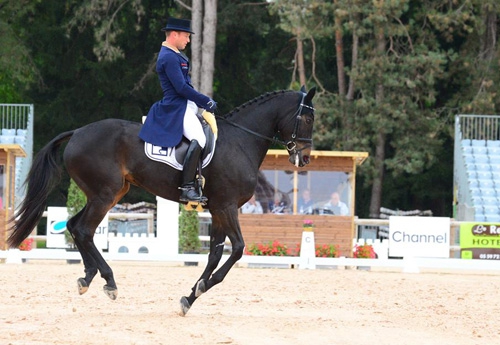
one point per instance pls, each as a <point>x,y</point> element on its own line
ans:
<point>20,117</point>
<point>479,127</point>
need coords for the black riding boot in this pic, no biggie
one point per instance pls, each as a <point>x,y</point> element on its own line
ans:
<point>191,161</point>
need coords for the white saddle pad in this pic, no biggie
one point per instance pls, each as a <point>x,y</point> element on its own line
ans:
<point>167,156</point>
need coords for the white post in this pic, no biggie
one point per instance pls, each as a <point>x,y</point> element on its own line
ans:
<point>13,257</point>
<point>307,251</point>
<point>167,226</point>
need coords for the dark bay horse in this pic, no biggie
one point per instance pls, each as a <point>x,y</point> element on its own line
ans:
<point>104,158</point>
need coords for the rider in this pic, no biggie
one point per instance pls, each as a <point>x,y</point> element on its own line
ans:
<point>175,115</point>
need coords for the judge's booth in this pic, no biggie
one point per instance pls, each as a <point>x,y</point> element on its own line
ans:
<point>330,182</point>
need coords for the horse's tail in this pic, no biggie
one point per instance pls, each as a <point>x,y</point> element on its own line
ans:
<point>44,174</point>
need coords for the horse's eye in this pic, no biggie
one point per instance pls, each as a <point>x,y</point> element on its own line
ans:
<point>309,121</point>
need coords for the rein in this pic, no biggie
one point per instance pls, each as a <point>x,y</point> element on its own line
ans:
<point>291,145</point>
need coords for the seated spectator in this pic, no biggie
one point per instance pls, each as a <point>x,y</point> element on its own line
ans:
<point>279,205</point>
<point>305,204</point>
<point>252,206</point>
<point>337,207</point>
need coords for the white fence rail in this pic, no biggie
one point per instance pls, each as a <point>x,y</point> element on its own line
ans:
<point>408,265</point>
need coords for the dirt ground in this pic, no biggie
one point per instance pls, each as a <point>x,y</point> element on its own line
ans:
<point>40,305</point>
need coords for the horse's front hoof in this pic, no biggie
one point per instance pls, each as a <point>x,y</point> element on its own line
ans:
<point>184,306</point>
<point>200,288</point>
<point>112,293</point>
<point>82,286</point>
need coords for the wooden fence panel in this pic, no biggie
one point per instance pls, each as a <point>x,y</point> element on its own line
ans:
<point>287,229</point>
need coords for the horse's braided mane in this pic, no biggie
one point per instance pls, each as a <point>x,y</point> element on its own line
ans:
<point>264,97</point>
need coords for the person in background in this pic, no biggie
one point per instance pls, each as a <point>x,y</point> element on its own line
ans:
<point>337,207</point>
<point>252,206</point>
<point>305,204</point>
<point>279,205</point>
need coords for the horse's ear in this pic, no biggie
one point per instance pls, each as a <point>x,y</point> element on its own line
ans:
<point>310,95</point>
<point>303,89</point>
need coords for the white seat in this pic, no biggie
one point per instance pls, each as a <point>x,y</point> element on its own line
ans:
<point>473,183</point>
<point>18,139</point>
<point>480,218</point>
<point>484,175</point>
<point>489,200</point>
<point>494,158</point>
<point>6,139</point>
<point>493,150</point>
<point>466,142</point>
<point>482,167</point>
<point>486,185</point>
<point>492,217</point>
<point>8,131</point>
<point>478,142</point>
<point>469,157</point>
<point>481,158</point>
<point>21,132</point>
<point>495,167</point>
<point>481,150</point>
<point>487,194</point>
<point>493,143</point>
<point>475,191</point>
<point>467,149</point>
<point>470,167</point>
<point>477,200</point>
<point>491,209</point>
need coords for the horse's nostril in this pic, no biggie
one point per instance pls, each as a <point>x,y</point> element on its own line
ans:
<point>306,159</point>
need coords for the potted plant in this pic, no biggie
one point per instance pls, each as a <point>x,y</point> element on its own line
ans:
<point>364,251</point>
<point>74,203</point>
<point>308,225</point>
<point>189,227</point>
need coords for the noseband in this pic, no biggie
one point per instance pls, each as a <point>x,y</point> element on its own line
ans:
<point>290,145</point>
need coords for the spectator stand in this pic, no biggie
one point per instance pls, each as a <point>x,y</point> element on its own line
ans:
<point>335,170</point>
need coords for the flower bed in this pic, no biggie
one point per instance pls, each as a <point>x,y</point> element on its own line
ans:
<point>275,248</point>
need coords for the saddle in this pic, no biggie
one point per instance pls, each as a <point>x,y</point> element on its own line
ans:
<point>174,156</point>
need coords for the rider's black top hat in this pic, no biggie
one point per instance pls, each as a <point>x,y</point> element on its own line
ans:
<point>175,24</point>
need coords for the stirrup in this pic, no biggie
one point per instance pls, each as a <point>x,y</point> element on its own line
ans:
<point>190,195</point>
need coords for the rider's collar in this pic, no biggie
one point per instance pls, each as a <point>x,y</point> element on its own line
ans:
<point>165,44</point>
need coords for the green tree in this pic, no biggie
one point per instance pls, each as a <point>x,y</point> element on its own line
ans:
<point>17,69</point>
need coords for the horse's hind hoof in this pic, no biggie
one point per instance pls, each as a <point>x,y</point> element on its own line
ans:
<point>112,293</point>
<point>200,288</point>
<point>184,306</point>
<point>82,286</point>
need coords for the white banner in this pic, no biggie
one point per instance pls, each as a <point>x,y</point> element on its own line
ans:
<point>57,217</point>
<point>427,237</point>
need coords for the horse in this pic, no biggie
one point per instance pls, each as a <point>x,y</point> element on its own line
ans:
<point>105,157</point>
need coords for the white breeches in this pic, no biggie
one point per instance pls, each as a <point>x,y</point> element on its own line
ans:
<point>192,126</point>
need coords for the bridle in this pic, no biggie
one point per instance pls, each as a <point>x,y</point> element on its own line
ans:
<point>290,145</point>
